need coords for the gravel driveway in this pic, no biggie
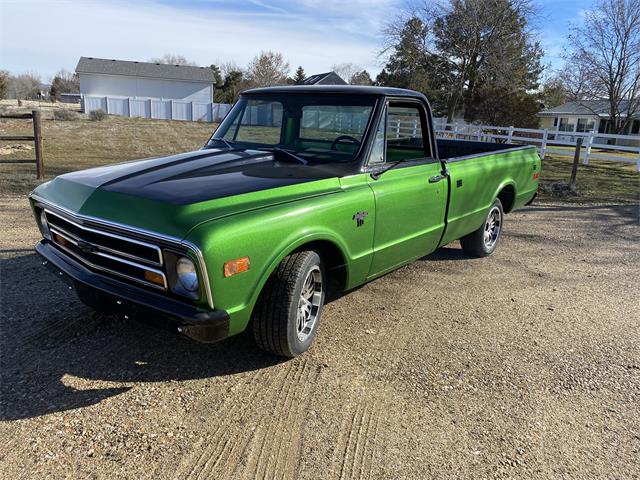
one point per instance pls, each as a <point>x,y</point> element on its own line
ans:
<point>525,364</point>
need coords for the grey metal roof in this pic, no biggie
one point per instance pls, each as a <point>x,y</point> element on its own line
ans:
<point>144,69</point>
<point>329,78</point>
<point>583,107</point>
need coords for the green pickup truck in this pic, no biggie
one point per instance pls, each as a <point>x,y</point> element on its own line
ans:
<point>301,193</point>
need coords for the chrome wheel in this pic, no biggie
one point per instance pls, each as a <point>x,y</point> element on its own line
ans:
<point>309,303</point>
<point>492,227</point>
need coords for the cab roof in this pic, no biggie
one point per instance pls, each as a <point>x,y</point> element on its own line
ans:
<point>338,90</point>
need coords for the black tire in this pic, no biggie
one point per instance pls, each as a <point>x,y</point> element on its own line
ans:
<point>477,243</point>
<point>275,317</point>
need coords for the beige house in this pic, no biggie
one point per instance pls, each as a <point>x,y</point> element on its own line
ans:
<point>586,116</point>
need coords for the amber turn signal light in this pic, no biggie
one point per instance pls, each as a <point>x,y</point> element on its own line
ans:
<point>238,265</point>
<point>61,240</point>
<point>154,277</point>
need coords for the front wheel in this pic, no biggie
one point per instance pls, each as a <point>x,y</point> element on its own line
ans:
<point>286,317</point>
<point>484,240</point>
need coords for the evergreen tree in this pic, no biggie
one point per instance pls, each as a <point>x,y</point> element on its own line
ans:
<point>461,52</point>
<point>361,78</point>
<point>299,77</point>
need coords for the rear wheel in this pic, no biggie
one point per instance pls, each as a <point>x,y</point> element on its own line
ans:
<point>286,317</point>
<point>484,241</point>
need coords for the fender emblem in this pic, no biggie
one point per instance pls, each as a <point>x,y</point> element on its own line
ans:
<point>359,218</point>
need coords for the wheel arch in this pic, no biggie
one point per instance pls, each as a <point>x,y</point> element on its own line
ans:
<point>507,196</point>
<point>331,250</point>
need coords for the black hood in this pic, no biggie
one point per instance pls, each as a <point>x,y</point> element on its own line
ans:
<point>203,175</point>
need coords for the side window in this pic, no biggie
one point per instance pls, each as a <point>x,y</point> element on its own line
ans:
<point>378,150</point>
<point>407,133</point>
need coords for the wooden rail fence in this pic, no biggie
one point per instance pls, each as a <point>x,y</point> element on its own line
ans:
<point>36,138</point>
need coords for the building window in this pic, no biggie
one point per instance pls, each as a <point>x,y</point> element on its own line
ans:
<point>585,125</point>
<point>635,129</point>
<point>564,125</point>
<point>555,121</point>
<point>604,126</point>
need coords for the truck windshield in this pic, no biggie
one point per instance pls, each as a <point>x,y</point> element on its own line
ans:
<point>321,128</point>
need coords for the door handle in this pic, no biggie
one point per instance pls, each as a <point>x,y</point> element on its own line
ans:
<point>437,178</point>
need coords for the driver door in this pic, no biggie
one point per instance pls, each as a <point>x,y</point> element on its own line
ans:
<point>411,197</point>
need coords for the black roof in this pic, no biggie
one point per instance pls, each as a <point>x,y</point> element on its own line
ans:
<point>338,89</point>
<point>144,69</point>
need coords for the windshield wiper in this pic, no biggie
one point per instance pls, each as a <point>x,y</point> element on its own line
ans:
<point>286,152</point>
<point>227,144</point>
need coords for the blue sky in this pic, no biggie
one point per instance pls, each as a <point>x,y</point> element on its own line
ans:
<point>45,36</point>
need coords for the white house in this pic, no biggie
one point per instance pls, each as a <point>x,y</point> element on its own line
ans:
<point>101,77</point>
<point>587,116</point>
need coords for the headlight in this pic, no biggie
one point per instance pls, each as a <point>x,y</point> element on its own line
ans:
<point>187,274</point>
<point>44,226</point>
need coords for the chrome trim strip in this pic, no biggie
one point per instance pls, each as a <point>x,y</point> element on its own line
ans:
<point>112,235</point>
<point>98,267</point>
<point>184,243</point>
<point>107,249</point>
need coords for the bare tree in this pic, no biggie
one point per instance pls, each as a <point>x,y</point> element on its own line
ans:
<point>227,67</point>
<point>575,79</point>
<point>268,68</point>
<point>346,70</point>
<point>4,84</point>
<point>606,49</point>
<point>25,86</point>
<point>173,59</point>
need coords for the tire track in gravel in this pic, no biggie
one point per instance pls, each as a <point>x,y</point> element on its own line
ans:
<point>205,449</point>
<point>355,451</point>
<point>270,450</point>
<point>284,429</point>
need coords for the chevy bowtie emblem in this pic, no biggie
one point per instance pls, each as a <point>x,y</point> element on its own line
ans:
<point>86,247</point>
<point>359,218</point>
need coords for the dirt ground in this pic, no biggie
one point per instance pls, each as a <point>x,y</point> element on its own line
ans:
<point>525,364</point>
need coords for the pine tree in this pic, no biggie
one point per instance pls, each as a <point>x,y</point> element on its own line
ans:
<point>299,77</point>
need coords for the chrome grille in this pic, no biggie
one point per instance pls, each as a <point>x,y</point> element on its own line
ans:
<point>125,257</point>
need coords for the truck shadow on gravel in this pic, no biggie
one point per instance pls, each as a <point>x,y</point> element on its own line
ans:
<point>57,354</point>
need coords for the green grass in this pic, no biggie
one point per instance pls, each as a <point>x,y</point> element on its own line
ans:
<point>79,144</point>
<point>599,182</point>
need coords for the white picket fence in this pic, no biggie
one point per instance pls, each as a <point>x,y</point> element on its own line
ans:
<point>594,145</point>
<point>157,108</point>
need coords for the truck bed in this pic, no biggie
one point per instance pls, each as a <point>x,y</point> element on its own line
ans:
<point>448,149</point>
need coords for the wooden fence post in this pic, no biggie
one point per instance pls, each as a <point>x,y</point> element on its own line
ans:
<point>37,139</point>
<point>39,146</point>
<point>543,146</point>
<point>588,151</point>
<point>576,160</point>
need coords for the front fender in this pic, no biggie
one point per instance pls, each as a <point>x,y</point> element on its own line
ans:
<point>268,235</point>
